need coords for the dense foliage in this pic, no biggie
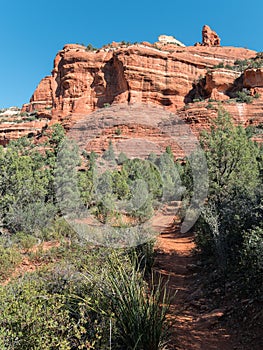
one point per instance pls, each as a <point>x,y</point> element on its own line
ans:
<point>82,297</point>
<point>91,299</point>
<point>86,297</point>
<point>229,231</point>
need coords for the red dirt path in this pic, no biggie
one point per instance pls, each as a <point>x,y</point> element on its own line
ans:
<point>194,325</point>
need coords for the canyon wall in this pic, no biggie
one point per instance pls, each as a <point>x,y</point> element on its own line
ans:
<point>83,81</point>
<point>190,82</point>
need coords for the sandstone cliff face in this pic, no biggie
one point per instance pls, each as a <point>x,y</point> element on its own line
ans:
<point>83,81</point>
<point>253,78</point>
<point>12,131</point>
<point>161,74</point>
<point>137,130</point>
<point>218,82</point>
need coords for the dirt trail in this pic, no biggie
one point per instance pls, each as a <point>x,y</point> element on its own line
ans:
<point>195,326</point>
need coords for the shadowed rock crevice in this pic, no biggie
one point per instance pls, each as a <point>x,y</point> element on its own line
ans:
<point>116,87</point>
<point>197,92</point>
<point>237,86</point>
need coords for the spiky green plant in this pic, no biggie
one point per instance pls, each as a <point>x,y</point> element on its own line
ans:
<point>139,312</point>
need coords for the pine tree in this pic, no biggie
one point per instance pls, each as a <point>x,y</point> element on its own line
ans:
<point>232,159</point>
<point>66,179</point>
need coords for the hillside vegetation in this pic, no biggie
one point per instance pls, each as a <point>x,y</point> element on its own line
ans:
<point>88,296</point>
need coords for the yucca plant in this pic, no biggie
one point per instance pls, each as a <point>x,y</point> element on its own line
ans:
<point>143,256</point>
<point>140,313</point>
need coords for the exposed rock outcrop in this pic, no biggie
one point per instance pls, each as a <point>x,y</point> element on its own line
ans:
<point>253,78</point>
<point>163,74</point>
<point>83,81</point>
<point>209,37</point>
<point>219,81</point>
<point>42,99</point>
<point>15,124</point>
<point>168,39</point>
<point>13,131</point>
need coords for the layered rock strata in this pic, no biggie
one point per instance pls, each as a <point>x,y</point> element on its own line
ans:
<point>187,81</point>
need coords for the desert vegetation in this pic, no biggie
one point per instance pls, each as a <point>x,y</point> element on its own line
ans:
<point>86,296</point>
<point>229,234</point>
<point>81,296</point>
<point>242,65</point>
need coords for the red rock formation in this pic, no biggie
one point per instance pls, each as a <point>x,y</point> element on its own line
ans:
<point>253,78</point>
<point>13,131</point>
<point>85,80</point>
<point>136,129</point>
<point>209,37</point>
<point>219,81</point>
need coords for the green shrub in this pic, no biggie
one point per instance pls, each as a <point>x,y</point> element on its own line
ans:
<point>105,209</point>
<point>244,97</point>
<point>122,158</point>
<point>138,169</point>
<point>210,106</point>
<point>232,201</point>
<point>90,47</point>
<point>143,255</point>
<point>24,241</point>
<point>252,260</point>
<point>241,65</point>
<point>219,65</point>
<point>227,66</point>
<point>118,131</point>
<point>109,154</point>
<point>90,298</point>
<point>31,318</point>
<point>9,259</point>
<point>59,229</point>
<point>125,43</point>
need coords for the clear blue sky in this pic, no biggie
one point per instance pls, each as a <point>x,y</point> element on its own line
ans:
<point>33,31</point>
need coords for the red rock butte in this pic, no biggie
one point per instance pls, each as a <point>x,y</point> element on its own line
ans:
<point>188,81</point>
